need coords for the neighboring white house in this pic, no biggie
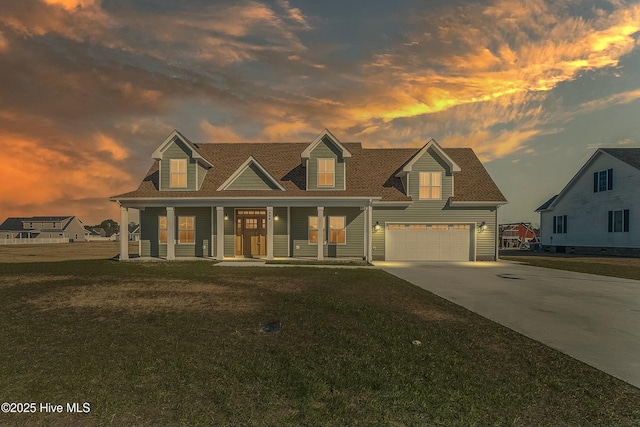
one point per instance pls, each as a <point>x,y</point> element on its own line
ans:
<point>598,211</point>
<point>42,229</point>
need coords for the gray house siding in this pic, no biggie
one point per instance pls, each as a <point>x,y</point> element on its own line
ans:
<point>354,246</point>
<point>149,237</point>
<point>252,178</point>
<point>280,246</point>
<point>325,150</point>
<point>430,162</point>
<point>149,232</point>
<point>177,150</point>
<point>229,232</point>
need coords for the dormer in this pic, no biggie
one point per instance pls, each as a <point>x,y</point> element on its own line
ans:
<point>182,167</point>
<point>251,175</point>
<point>325,163</point>
<point>428,174</point>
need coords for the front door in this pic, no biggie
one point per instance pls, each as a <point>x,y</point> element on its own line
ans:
<point>251,232</point>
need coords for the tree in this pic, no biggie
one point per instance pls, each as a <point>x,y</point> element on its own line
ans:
<point>109,226</point>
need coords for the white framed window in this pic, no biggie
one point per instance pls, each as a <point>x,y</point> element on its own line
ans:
<point>619,221</point>
<point>313,230</point>
<point>395,227</point>
<point>338,230</point>
<point>326,172</point>
<point>162,229</point>
<point>178,173</point>
<point>430,185</point>
<point>603,181</point>
<point>186,229</point>
<point>560,224</point>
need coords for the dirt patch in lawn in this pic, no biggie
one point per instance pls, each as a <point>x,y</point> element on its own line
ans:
<point>277,284</point>
<point>143,296</point>
<point>433,314</point>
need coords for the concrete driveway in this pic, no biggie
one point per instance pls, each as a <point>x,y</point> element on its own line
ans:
<point>594,319</point>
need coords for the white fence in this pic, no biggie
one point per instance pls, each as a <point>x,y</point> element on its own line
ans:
<point>34,241</point>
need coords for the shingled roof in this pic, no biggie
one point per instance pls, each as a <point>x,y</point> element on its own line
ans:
<point>370,173</point>
<point>630,156</point>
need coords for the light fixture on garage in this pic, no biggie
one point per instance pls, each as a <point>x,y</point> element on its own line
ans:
<point>483,226</point>
<point>226,217</point>
<point>276,217</point>
<point>377,226</point>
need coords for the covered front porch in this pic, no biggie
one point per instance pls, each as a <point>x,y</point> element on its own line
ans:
<point>249,229</point>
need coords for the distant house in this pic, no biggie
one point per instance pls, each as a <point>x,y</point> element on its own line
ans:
<point>516,235</point>
<point>42,229</point>
<point>598,211</point>
<point>95,233</point>
<point>320,198</point>
<point>134,232</point>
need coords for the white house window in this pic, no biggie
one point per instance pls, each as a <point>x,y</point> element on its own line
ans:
<point>430,185</point>
<point>603,181</point>
<point>560,224</point>
<point>162,229</point>
<point>313,230</point>
<point>326,172</point>
<point>619,221</point>
<point>186,229</point>
<point>178,173</point>
<point>337,229</point>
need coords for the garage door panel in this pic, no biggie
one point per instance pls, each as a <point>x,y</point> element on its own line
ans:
<point>427,243</point>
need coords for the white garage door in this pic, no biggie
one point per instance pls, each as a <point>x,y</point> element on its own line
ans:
<point>428,242</point>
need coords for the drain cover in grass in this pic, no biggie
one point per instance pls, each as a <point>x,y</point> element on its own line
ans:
<point>271,326</point>
<point>509,276</point>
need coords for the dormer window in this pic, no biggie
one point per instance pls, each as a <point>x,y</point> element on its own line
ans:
<point>178,173</point>
<point>430,185</point>
<point>326,172</point>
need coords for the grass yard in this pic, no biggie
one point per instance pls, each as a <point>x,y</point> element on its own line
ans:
<point>62,251</point>
<point>179,344</point>
<point>628,268</point>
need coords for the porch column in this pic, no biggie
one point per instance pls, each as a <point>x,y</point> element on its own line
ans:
<point>124,233</point>
<point>269,232</point>
<point>370,233</point>
<point>320,233</point>
<point>171,233</point>
<point>219,232</point>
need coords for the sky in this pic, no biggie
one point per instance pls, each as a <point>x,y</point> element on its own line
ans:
<point>89,88</point>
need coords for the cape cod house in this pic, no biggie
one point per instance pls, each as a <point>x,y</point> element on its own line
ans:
<point>42,229</point>
<point>597,211</point>
<point>323,198</point>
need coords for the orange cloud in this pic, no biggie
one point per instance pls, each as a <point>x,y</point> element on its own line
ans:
<point>4,44</point>
<point>71,4</point>
<point>219,134</point>
<point>39,176</point>
<point>109,145</point>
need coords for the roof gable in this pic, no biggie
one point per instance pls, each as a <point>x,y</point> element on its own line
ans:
<point>328,136</point>
<point>252,169</point>
<point>177,136</point>
<point>626,155</point>
<point>408,166</point>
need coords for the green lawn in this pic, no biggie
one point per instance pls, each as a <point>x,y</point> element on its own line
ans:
<point>627,268</point>
<point>179,344</point>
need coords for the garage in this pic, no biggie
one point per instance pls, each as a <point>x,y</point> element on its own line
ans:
<point>428,242</point>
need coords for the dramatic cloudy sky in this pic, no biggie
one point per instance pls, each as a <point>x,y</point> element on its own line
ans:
<point>90,87</point>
